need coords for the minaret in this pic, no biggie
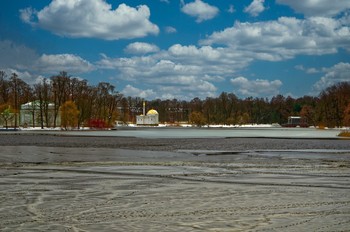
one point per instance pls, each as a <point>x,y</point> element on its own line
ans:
<point>144,108</point>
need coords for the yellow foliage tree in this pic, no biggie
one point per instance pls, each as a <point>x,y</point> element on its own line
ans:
<point>197,118</point>
<point>69,115</point>
<point>347,115</point>
<point>6,114</point>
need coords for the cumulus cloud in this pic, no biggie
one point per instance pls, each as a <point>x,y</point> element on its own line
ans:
<point>183,69</point>
<point>307,70</point>
<point>205,52</point>
<point>196,70</point>
<point>141,48</point>
<point>200,10</point>
<point>28,15</point>
<point>284,38</point>
<point>170,30</point>
<point>62,62</point>
<point>26,76</point>
<point>231,9</point>
<point>92,19</point>
<point>338,73</point>
<point>317,7</point>
<point>15,55</point>
<point>26,61</point>
<point>258,87</point>
<point>211,63</point>
<point>187,90</point>
<point>132,91</point>
<point>255,8</point>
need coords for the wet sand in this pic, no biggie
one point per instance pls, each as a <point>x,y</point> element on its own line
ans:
<point>70,183</point>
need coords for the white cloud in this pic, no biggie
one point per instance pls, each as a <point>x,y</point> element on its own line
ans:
<point>231,9</point>
<point>258,87</point>
<point>255,8</point>
<point>15,55</point>
<point>201,10</point>
<point>141,48</point>
<point>27,15</point>
<point>184,92</point>
<point>92,19</point>
<point>184,74</point>
<point>284,38</point>
<point>26,76</point>
<point>62,62</point>
<point>186,71</point>
<point>338,73</point>
<point>170,30</point>
<point>317,7</point>
<point>307,70</point>
<point>205,52</point>
<point>203,62</point>
<point>25,60</point>
<point>132,91</point>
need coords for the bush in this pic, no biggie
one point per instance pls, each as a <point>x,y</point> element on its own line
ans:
<point>344,134</point>
<point>321,126</point>
<point>97,124</point>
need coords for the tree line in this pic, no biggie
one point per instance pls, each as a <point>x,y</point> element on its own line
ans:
<point>101,105</point>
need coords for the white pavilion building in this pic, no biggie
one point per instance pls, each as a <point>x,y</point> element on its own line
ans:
<point>30,115</point>
<point>150,119</point>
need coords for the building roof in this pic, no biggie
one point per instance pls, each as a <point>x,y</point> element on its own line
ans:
<point>294,117</point>
<point>35,105</point>
<point>152,112</point>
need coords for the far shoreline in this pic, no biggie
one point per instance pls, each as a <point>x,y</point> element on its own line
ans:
<point>192,132</point>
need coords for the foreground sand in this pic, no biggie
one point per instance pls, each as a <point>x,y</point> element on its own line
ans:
<point>114,184</point>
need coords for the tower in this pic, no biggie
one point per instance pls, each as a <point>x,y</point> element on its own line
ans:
<point>144,108</point>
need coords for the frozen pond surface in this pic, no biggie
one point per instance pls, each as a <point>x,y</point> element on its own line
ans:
<point>106,189</point>
<point>212,182</point>
<point>206,132</point>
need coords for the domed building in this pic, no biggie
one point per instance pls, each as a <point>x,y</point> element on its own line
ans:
<point>150,119</point>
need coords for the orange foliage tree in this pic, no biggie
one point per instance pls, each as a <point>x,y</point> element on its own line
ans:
<point>308,113</point>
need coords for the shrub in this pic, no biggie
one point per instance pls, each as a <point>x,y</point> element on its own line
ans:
<point>97,123</point>
<point>344,134</point>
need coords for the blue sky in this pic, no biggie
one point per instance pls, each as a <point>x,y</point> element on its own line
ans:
<point>181,48</point>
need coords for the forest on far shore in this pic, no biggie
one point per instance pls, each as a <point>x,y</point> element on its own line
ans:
<point>104,104</point>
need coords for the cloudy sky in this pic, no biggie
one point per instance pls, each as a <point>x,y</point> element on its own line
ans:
<point>181,48</point>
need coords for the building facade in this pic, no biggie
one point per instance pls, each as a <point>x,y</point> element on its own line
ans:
<point>34,115</point>
<point>296,121</point>
<point>150,119</point>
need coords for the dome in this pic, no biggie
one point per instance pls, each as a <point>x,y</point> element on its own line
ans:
<point>152,112</point>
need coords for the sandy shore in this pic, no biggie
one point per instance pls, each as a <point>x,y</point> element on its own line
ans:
<point>72,183</point>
